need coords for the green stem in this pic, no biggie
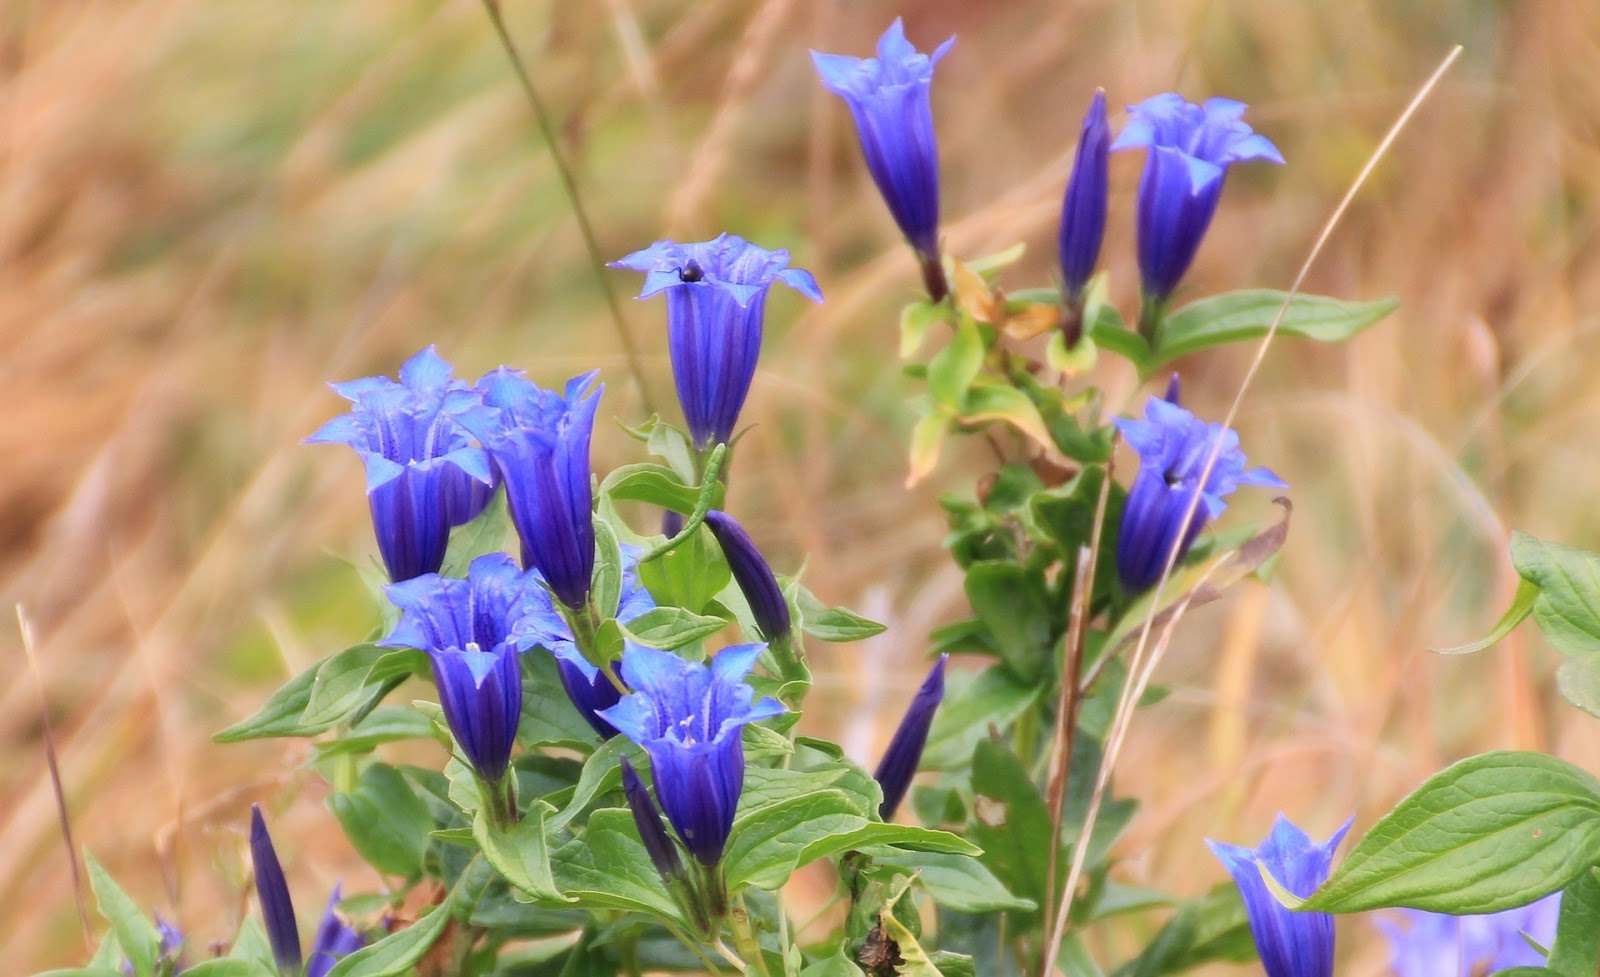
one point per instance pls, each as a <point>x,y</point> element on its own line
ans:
<point>1152,316</point>
<point>702,505</point>
<point>597,261</point>
<point>500,802</point>
<point>744,940</point>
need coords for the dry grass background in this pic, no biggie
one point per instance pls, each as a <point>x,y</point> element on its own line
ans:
<point>207,210</point>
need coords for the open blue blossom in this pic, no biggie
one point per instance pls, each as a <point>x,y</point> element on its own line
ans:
<point>587,686</point>
<point>690,718</point>
<point>539,441</point>
<point>1083,208</point>
<point>424,474</point>
<point>468,628</point>
<point>889,98</point>
<point>334,938</point>
<point>1291,944</point>
<point>1173,447</point>
<point>1428,944</point>
<point>716,304</point>
<point>760,588</point>
<point>900,760</point>
<point>1191,147</point>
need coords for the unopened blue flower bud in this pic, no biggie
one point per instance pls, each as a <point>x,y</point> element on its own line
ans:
<point>1190,149</point>
<point>754,577</point>
<point>690,718</point>
<point>1083,208</point>
<point>1291,944</point>
<point>657,843</point>
<point>889,98</point>
<point>716,306</point>
<point>1173,447</point>
<point>900,760</point>
<point>272,890</point>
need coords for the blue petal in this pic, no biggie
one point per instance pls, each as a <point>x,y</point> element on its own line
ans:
<point>426,370</point>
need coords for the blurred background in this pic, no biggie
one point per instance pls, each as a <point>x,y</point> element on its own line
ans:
<point>208,210</point>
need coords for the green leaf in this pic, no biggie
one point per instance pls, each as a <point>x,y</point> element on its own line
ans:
<point>279,715</point>
<point>251,944</point>
<point>657,485</point>
<point>1576,950</point>
<point>386,724</point>
<point>690,576</point>
<point>972,704</point>
<point>487,533</point>
<point>1521,607</point>
<point>605,589</point>
<point>397,953</point>
<point>836,964</point>
<point>671,627</point>
<point>916,961</point>
<point>1109,332</point>
<point>833,624</point>
<point>601,772</point>
<point>521,854</point>
<point>1578,681</point>
<point>1001,402</point>
<point>927,441</point>
<point>137,935</point>
<point>1236,316</point>
<point>346,682</point>
<point>672,446</point>
<point>952,369</point>
<point>1567,608</point>
<point>959,882</point>
<point>1488,833</point>
<point>608,868</point>
<point>385,821</point>
<point>226,967</point>
<point>84,972</point>
<point>548,716</point>
<point>1212,928</point>
<point>915,320</point>
<point>1013,603</point>
<point>766,844</point>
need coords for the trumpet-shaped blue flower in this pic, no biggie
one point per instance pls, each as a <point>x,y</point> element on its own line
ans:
<point>716,304</point>
<point>334,938</point>
<point>539,441</point>
<point>1428,944</point>
<point>1083,208</point>
<point>587,686</point>
<point>690,718</point>
<point>424,474</point>
<point>889,98</point>
<point>1291,944</point>
<point>900,760</point>
<point>760,588</point>
<point>469,628</point>
<point>1191,147</point>
<point>1173,447</point>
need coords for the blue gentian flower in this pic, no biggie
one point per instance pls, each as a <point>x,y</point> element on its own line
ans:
<point>539,441</point>
<point>690,718</point>
<point>1440,945</point>
<point>272,890</point>
<point>716,303</point>
<point>587,686</point>
<point>1291,944</point>
<point>1083,208</point>
<point>760,588</point>
<point>424,474</point>
<point>169,950</point>
<point>1173,447</point>
<point>334,939</point>
<point>900,760</point>
<point>1191,147</point>
<point>469,628</point>
<point>658,844</point>
<point>889,98</point>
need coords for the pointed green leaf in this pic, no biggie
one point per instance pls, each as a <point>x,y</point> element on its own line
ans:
<point>521,853</point>
<point>972,704</point>
<point>986,402</point>
<point>487,533</point>
<point>1237,316</point>
<point>137,935</point>
<point>385,821</point>
<point>672,627</point>
<point>1521,607</point>
<point>1567,608</point>
<point>1576,950</point>
<point>608,868</point>
<point>1578,681</point>
<point>654,484</point>
<point>279,715</point>
<point>832,624</point>
<point>952,369</point>
<point>398,952</point>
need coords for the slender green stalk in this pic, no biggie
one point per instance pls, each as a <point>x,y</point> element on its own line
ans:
<point>597,260</point>
<point>708,490</point>
<point>744,940</point>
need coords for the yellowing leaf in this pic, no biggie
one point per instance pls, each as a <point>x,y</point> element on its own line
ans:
<point>1008,404</point>
<point>1032,320</point>
<point>1078,359</point>
<point>927,438</point>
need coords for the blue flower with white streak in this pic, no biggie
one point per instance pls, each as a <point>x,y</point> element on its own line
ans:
<point>1173,447</point>
<point>690,719</point>
<point>716,307</point>
<point>539,441</point>
<point>424,474</point>
<point>470,631</point>
<point>1291,944</point>
<point>889,98</point>
<point>1190,149</point>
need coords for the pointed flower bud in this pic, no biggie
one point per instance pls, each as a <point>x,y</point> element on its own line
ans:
<point>424,475</point>
<point>469,628</point>
<point>1190,149</point>
<point>900,760</point>
<point>1291,944</point>
<point>889,98</point>
<point>1083,209</point>
<point>690,718</point>
<point>590,690</point>
<point>751,573</point>
<point>334,940</point>
<point>272,890</point>
<point>716,306</point>
<point>1173,447</point>
<point>660,846</point>
<point>539,441</point>
<point>1428,944</point>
